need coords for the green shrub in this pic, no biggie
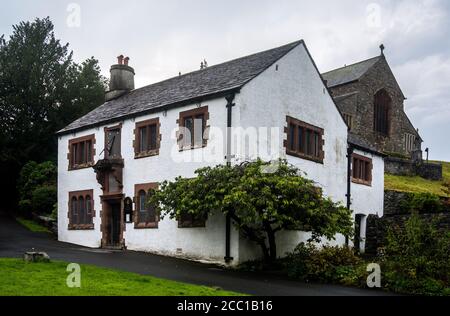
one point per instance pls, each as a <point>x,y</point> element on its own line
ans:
<point>54,213</point>
<point>328,264</point>
<point>421,203</point>
<point>417,258</point>
<point>37,188</point>
<point>43,199</point>
<point>25,208</point>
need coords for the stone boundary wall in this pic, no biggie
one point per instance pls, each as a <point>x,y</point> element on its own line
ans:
<point>377,227</point>
<point>406,167</point>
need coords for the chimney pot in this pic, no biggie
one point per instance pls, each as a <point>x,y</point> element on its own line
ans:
<point>122,79</point>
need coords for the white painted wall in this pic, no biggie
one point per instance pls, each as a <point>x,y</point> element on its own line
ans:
<point>198,243</point>
<point>368,200</point>
<point>296,90</point>
<point>78,180</point>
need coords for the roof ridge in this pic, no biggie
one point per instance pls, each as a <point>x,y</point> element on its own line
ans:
<point>204,83</point>
<point>293,44</point>
<point>354,64</point>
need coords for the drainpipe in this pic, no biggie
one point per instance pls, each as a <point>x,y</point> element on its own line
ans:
<point>228,157</point>
<point>350,150</point>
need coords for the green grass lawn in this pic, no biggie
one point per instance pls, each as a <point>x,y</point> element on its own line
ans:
<point>418,184</point>
<point>32,226</point>
<point>18,278</point>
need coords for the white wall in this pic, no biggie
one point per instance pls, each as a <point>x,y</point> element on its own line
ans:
<point>78,180</point>
<point>199,243</point>
<point>368,200</point>
<point>296,90</point>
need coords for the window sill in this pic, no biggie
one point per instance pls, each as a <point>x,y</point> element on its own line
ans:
<point>82,227</point>
<point>146,226</point>
<point>362,182</point>
<point>305,157</point>
<point>185,226</point>
<point>187,148</point>
<point>148,154</point>
<point>80,167</point>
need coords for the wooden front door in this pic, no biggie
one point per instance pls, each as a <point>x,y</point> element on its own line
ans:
<point>115,225</point>
<point>112,223</point>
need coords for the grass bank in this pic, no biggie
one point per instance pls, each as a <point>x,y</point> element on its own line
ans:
<point>32,226</point>
<point>18,278</point>
<point>418,184</point>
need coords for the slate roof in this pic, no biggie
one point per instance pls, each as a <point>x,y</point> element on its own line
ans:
<point>204,83</point>
<point>349,73</point>
<point>360,143</point>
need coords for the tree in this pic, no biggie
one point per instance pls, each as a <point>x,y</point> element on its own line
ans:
<point>41,90</point>
<point>37,188</point>
<point>260,203</point>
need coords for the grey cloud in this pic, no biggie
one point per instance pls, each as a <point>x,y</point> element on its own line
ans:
<point>165,37</point>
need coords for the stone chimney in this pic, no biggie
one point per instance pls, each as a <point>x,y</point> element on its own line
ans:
<point>122,79</point>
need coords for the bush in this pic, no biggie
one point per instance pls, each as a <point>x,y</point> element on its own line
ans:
<point>43,199</point>
<point>25,209</point>
<point>37,188</point>
<point>328,264</point>
<point>417,259</point>
<point>422,203</point>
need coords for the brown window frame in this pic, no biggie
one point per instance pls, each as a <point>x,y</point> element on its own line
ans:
<point>146,187</point>
<point>137,138</point>
<point>306,128</point>
<point>77,195</point>
<point>182,124</point>
<point>368,169</point>
<point>108,129</point>
<point>89,158</point>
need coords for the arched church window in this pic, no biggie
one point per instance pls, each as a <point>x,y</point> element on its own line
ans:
<point>382,112</point>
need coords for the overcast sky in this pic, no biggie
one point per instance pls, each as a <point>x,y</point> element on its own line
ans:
<point>165,37</point>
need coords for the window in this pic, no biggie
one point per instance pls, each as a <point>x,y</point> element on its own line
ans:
<point>362,170</point>
<point>81,210</point>
<point>147,138</point>
<point>193,128</point>
<point>81,152</point>
<point>410,141</point>
<point>187,220</point>
<point>382,110</point>
<point>112,142</point>
<point>304,140</point>
<point>146,216</point>
<point>348,118</point>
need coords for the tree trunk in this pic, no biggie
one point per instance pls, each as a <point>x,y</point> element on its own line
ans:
<point>265,251</point>
<point>272,243</point>
<point>253,237</point>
